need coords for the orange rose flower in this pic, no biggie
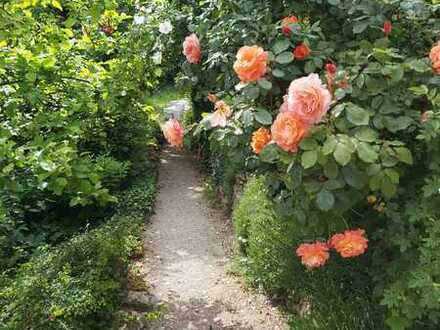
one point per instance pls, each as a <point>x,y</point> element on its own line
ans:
<point>251,63</point>
<point>313,255</point>
<point>434,55</point>
<point>191,49</point>
<point>301,51</point>
<point>260,138</point>
<point>351,243</point>
<point>173,132</point>
<point>288,131</point>
<point>285,28</point>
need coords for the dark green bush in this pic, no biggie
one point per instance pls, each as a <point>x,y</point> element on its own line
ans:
<point>78,284</point>
<point>334,297</point>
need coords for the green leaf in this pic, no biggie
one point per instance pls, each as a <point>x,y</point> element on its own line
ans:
<point>342,153</point>
<point>265,84</point>
<point>366,134</point>
<point>331,170</point>
<point>280,46</point>
<point>394,124</point>
<point>252,92</point>
<point>334,2</point>
<point>309,159</point>
<point>404,155</point>
<point>309,67</point>
<point>278,73</point>
<point>357,115</point>
<point>388,188</point>
<point>284,58</point>
<point>263,116</point>
<point>308,144</point>
<point>57,4</point>
<point>367,153</point>
<point>354,177</point>
<point>329,145</point>
<point>360,27</point>
<point>325,200</point>
<point>269,154</point>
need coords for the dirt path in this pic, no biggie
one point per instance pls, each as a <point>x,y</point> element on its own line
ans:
<point>186,260</point>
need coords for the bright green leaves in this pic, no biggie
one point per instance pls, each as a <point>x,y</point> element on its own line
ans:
<point>367,152</point>
<point>343,150</point>
<point>357,115</point>
<point>309,159</point>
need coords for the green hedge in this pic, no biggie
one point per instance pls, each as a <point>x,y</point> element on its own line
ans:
<point>78,284</point>
<point>334,297</point>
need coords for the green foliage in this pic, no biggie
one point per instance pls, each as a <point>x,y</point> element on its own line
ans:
<point>74,80</point>
<point>77,284</point>
<point>265,242</point>
<point>379,141</point>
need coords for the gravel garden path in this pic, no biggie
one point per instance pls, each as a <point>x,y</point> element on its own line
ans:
<point>187,257</point>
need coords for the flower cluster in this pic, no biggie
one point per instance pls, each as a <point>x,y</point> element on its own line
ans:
<point>305,104</point>
<point>349,244</point>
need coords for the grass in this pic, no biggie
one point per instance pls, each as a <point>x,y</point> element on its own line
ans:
<point>165,95</point>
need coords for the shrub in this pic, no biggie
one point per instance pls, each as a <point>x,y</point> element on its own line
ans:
<point>369,158</point>
<point>335,297</point>
<point>78,284</point>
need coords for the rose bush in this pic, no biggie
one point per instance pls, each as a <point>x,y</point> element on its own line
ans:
<point>355,138</point>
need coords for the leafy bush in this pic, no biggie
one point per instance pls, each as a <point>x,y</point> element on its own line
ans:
<point>78,284</point>
<point>265,242</point>
<point>74,80</point>
<point>371,162</point>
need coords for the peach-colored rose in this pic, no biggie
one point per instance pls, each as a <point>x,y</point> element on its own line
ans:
<point>251,63</point>
<point>191,49</point>
<point>308,98</point>
<point>434,55</point>
<point>285,28</point>
<point>288,131</point>
<point>301,52</point>
<point>221,114</point>
<point>351,243</point>
<point>313,255</point>
<point>260,138</point>
<point>173,132</point>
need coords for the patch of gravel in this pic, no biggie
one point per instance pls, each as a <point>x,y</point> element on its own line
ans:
<point>186,259</point>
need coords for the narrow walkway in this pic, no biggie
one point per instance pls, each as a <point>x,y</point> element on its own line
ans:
<point>186,260</point>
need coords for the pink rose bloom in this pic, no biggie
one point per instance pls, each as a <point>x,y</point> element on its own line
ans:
<point>173,132</point>
<point>308,98</point>
<point>284,107</point>
<point>221,114</point>
<point>191,49</point>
